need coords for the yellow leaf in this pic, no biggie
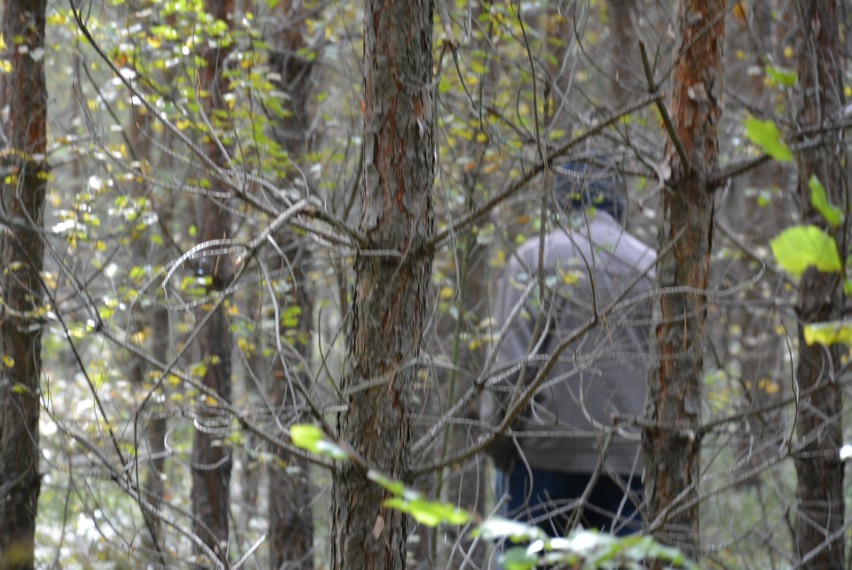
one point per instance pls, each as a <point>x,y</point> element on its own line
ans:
<point>8,361</point>
<point>446,293</point>
<point>498,259</point>
<point>5,66</point>
<point>740,12</point>
<point>570,277</point>
<point>768,386</point>
<point>211,401</point>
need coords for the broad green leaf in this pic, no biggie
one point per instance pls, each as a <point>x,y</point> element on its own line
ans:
<point>782,75</point>
<point>819,200</point>
<point>829,333</point>
<point>766,135</point>
<point>430,513</point>
<point>800,247</point>
<point>311,438</point>
<point>306,436</point>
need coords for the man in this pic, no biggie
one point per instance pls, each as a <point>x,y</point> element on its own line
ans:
<point>565,440</point>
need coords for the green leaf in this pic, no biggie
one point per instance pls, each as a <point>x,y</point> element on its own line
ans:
<point>478,68</point>
<point>782,75</point>
<point>306,436</point>
<point>290,316</point>
<point>800,247</point>
<point>392,485</point>
<point>199,369</point>
<point>519,559</point>
<point>819,200</point>
<point>311,438</point>
<point>829,333</point>
<point>430,513</point>
<point>766,135</point>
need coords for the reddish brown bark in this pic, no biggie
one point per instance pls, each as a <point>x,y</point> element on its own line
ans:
<point>23,192</point>
<point>211,457</point>
<point>819,492</point>
<point>392,282</point>
<point>672,447</point>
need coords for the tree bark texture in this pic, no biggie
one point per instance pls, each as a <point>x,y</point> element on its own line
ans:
<point>291,529</point>
<point>25,172</point>
<point>211,457</point>
<point>820,536</point>
<point>671,446</point>
<point>624,43</point>
<point>392,280</point>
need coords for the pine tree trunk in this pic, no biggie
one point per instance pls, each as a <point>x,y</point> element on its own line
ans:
<point>392,281</point>
<point>819,492</point>
<point>671,447</point>
<point>211,457</point>
<point>24,185</point>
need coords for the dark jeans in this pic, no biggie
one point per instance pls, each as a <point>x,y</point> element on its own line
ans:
<point>546,500</point>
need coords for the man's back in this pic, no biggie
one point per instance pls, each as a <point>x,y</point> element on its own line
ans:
<point>603,371</point>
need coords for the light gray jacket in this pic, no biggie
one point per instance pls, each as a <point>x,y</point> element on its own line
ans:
<point>602,372</point>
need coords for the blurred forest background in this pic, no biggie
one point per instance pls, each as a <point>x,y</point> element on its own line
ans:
<point>197,256</point>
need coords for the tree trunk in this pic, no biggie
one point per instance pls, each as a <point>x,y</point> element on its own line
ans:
<point>671,446</point>
<point>291,532</point>
<point>819,493</point>
<point>624,43</point>
<point>24,187</point>
<point>150,323</point>
<point>211,457</point>
<point>392,281</point>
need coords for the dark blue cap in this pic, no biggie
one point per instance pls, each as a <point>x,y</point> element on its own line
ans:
<point>591,181</point>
